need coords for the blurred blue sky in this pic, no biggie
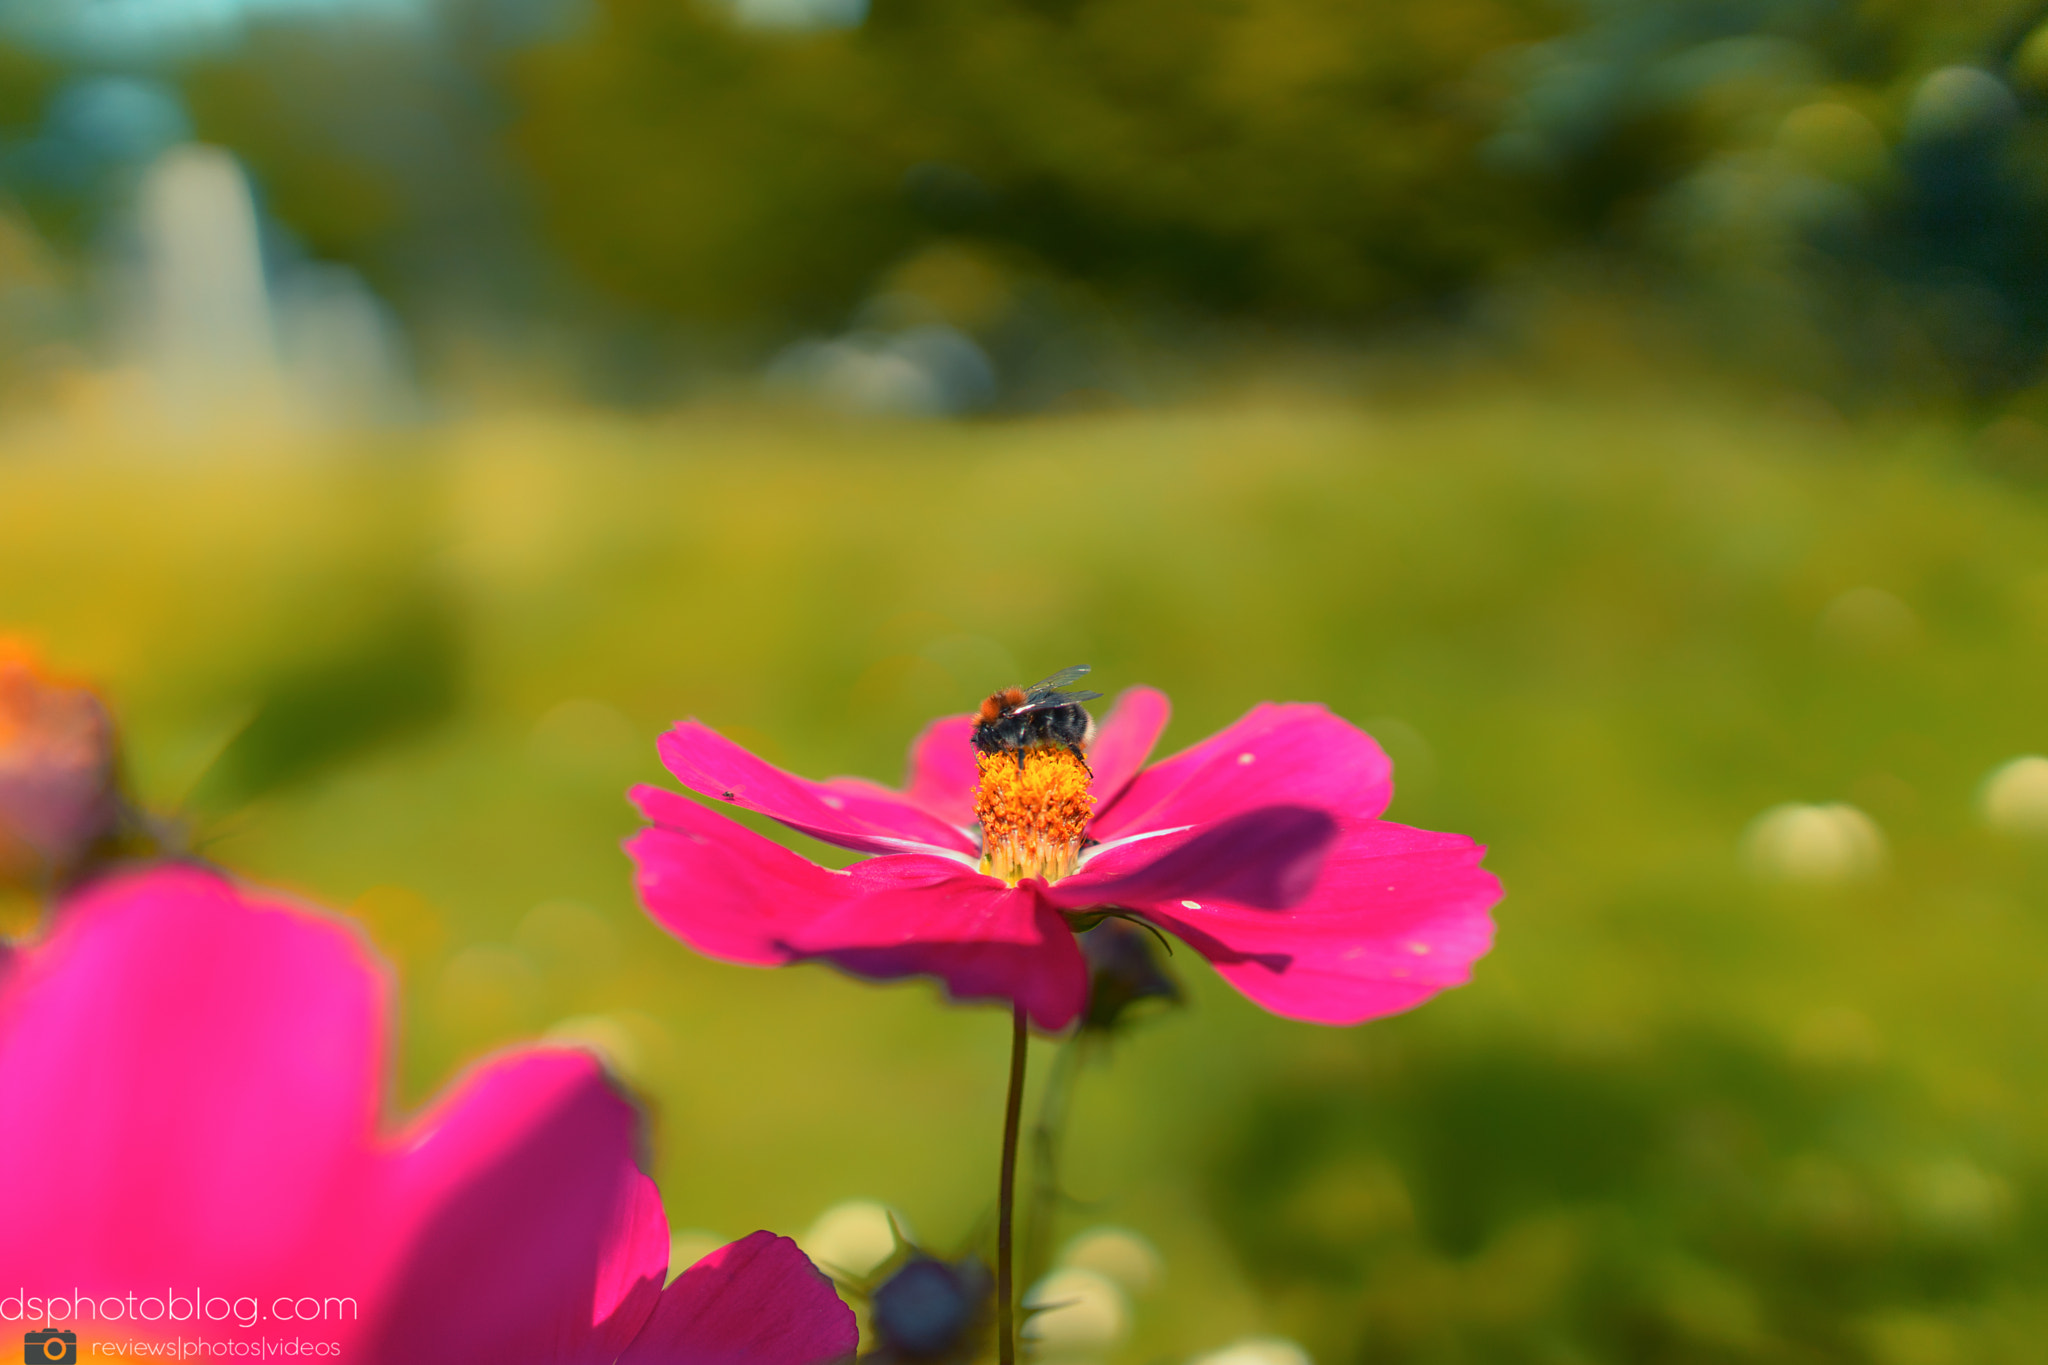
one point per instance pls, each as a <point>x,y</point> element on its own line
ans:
<point>141,29</point>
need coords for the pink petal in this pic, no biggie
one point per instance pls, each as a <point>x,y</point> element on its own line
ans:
<point>218,1063</point>
<point>1290,753</point>
<point>943,775</point>
<point>733,895</point>
<point>757,1301</point>
<point>1267,859</point>
<point>1398,915</point>
<point>534,1236</point>
<point>192,1081</point>
<point>845,811</point>
<point>983,940</point>
<point>721,888</point>
<point>1124,740</point>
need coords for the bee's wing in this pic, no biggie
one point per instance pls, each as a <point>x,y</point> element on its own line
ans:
<point>1060,679</point>
<point>1045,701</point>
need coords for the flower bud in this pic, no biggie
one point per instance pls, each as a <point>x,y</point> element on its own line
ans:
<point>1123,969</point>
<point>932,1310</point>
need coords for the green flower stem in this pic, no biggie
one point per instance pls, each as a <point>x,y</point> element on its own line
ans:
<point>1013,1114</point>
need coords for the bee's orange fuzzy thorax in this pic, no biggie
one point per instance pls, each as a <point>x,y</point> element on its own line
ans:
<point>1034,806</point>
<point>992,709</point>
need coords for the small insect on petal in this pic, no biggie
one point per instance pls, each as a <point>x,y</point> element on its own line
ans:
<point>1245,758</point>
<point>1190,905</point>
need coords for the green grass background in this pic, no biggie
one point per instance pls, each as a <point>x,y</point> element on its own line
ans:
<point>1679,1115</point>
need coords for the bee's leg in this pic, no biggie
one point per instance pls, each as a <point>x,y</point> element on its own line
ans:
<point>1075,750</point>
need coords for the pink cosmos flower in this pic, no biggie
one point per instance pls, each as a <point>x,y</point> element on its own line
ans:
<point>57,793</point>
<point>1261,847</point>
<point>195,1149</point>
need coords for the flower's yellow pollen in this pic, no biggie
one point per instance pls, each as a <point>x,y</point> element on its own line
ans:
<point>1034,806</point>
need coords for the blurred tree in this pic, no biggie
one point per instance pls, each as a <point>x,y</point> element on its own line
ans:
<point>25,84</point>
<point>1842,194</point>
<point>1300,158</point>
<point>722,176</point>
<point>382,146</point>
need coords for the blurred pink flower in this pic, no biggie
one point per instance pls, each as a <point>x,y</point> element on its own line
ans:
<point>1261,847</point>
<point>57,794</point>
<point>195,1148</point>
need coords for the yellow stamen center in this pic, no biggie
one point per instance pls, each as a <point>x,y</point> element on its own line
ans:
<point>1034,806</point>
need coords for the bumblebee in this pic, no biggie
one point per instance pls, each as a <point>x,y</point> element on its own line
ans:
<point>1043,715</point>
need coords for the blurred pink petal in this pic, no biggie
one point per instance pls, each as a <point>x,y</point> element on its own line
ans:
<point>1124,741</point>
<point>848,812</point>
<point>204,1074</point>
<point>942,771</point>
<point>530,1232</point>
<point>757,1301</point>
<point>194,1077</point>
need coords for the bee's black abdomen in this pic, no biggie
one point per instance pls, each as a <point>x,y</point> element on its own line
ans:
<point>1064,725</point>
<point>1058,727</point>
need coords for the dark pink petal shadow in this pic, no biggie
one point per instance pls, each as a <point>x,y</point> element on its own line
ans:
<point>1266,859</point>
<point>943,775</point>
<point>1124,740</point>
<point>1398,915</point>
<point>534,1235</point>
<point>846,811</point>
<point>923,916</point>
<point>757,1301</point>
<point>731,894</point>
<point>191,1079</point>
<point>1049,978</point>
<point>1291,753</point>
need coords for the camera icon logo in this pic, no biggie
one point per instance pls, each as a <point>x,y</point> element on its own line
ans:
<point>50,1347</point>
